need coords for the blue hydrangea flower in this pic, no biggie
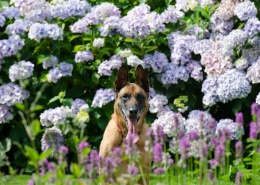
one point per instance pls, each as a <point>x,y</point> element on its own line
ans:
<point>21,70</point>
<point>252,26</point>
<point>220,26</point>
<point>200,46</point>
<point>10,46</point>
<point>133,60</point>
<point>233,130</point>
<point>245,10</point>
<point>171,15</point>
<point>11,12</point>
<point>38,31</point>
<point>83,56</point>
<point>105,10</point>
<point>5,114</point>
<point>81,26</point>
<point>195,70</point>
<point>54,75</point>
<point>11,93</point>
<point>2,20</point>
<point>79,105</point>
<point>102,97</point>
<point>257,100</point>
<point>209,88</point>
<point>52,138</point>
<point>106,67</point>
<point>65,68</point>
<point>50,62</point>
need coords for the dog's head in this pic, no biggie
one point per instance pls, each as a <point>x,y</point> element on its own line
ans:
<point>132,98</point>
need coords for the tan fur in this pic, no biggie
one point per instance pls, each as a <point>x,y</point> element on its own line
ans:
<point>113,137</point>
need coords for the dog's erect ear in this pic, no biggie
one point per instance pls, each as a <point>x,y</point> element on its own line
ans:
<point>141,78</point>
<point>121,79</point>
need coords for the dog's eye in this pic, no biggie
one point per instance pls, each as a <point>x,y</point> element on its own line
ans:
<point>139,97</point>
<point>125,96</point>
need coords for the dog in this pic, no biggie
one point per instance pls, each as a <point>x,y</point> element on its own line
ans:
<point>129,118</point>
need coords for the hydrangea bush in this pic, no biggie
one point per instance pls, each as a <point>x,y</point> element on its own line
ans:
<point>59,59</point>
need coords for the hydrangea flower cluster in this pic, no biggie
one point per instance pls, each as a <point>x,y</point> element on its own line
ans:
<point>59,115</point>
<point>133,60</point>
<point>69,8</point>
<point>231,128</point>
<point>83,56</point>
<point>106,67</point>
<point>157,103</point>
<point>11,93</point>
<point>52,138</point>
<point>50,62</point>
<point>10,46</point>
<point>37,31</point>
<point>20,26</point>
<point>102,97</point>
<point>64,69</point>
<point>253,72</point>
<point>156,61</point>
<point>228,86</point>
<point>245,10</point>
<point>98,42</point>
<point>5,114</point>
<point>21,70</point>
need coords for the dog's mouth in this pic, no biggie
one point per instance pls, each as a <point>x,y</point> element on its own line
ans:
<point>131,122</point>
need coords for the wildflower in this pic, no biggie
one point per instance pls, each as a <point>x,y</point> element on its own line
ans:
<point>239,178</point>
<point>239,149</point>
<point>5,114</point>
<point>52,138</point>
<point>102,97</point>
<point>220,152</point>
<point>184,146</point>
<point>193,135</point>
<point>63,150</point>
<point>240,119</point>
<point>132,170</point>
<point>83,145</point>
<point>158,171</point>
<point>93,161</point>
<point>21,70</point>
<point>254,108</point>
<point>83,56</point>
<point>157,152</point>
<point>253,132</point>
<point>210,175</point>
<point>98,42</point>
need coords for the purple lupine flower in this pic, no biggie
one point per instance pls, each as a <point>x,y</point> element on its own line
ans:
<point>239,149</point>
<point>52,138</point>
<point>158,171</point>
<point>239,178</point>
<point>93,161</point>
<point>83,145</point>
<point>5,114</point>
<point>213,163</point>
<point>102,97</point>
<point>254,108</point>
<point>20,71</point>
<point>130,146</point>
<point>220,152</point>
<point>193,135</point>
<point>63,150</point>
<point>254,129</point>
<point>157,152</point>
<point>184,146</point>
<point>203,151</point>
<point>211,175</point>
<point>83,56</point>
<point>132,170</point>
<point>30,182</point>
<point>240,119</point>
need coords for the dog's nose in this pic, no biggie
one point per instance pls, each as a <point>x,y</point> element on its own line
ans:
<point>133,110</point>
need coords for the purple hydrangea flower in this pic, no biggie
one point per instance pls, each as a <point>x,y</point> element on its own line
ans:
<point>50,62</point>
<point>11,93</point>
<point>220,26</point>
<point>79,105</point>
<point>252,27</point>
<point>83,56</point>
<point>37,31</point>
<point>56,116</point>
<point>102,97</point>
<point>156,61</point>
<point>5,114</point>
<point>52,138</point>
<point>171,15</point>
<point>19,26</point>
<point>245,10</point>
<point>21,70</point>
<point>195,70</point>
<point>106,67</point>
<point>10,46</point>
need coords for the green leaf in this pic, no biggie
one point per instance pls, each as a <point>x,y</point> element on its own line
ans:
<point>37,108</point>
<point>31,154</point>
<point>5,146</point>
<point>41,58</point>
<point>45,154</point>
<point>95,78</point>
<point>35,126</point>
<point>20,106</point>
<point>55,98</point>
<point>74,37</point>
<point>66,102</point>
<point>130,40</point>
<point>78,48</point>
<point>237,105</point>
<point>75,169</point>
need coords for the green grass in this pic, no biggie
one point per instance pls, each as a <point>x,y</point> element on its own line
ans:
<point>14,179</point>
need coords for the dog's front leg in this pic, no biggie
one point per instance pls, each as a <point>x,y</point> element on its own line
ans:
<point>111,138</point>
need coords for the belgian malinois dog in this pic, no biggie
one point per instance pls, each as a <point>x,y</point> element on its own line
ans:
<point>128,119</point>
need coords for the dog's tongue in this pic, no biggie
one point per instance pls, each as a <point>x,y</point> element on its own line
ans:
<point>131,129</point>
